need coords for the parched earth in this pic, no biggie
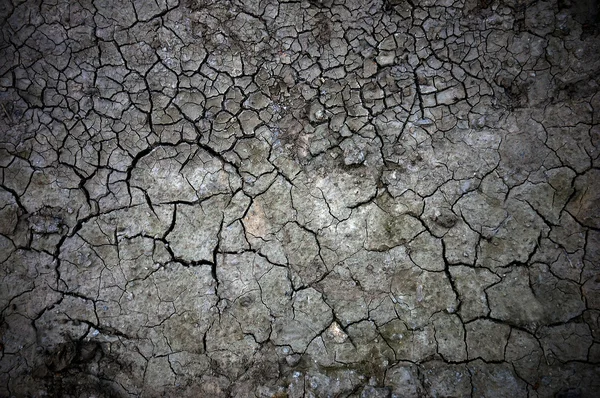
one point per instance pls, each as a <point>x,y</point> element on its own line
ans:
<point>269,198</point>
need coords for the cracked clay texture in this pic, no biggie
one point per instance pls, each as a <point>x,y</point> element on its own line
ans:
<point>305,198</point>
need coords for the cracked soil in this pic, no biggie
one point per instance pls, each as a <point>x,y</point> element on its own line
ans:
<point>326,198</point>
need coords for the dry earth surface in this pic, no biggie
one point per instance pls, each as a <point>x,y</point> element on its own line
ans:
<point>269,198</point>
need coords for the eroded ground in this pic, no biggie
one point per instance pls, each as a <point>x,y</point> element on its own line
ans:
<point>308,198</point>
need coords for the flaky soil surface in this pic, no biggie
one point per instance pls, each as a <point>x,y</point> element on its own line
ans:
<point>269,198</point>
